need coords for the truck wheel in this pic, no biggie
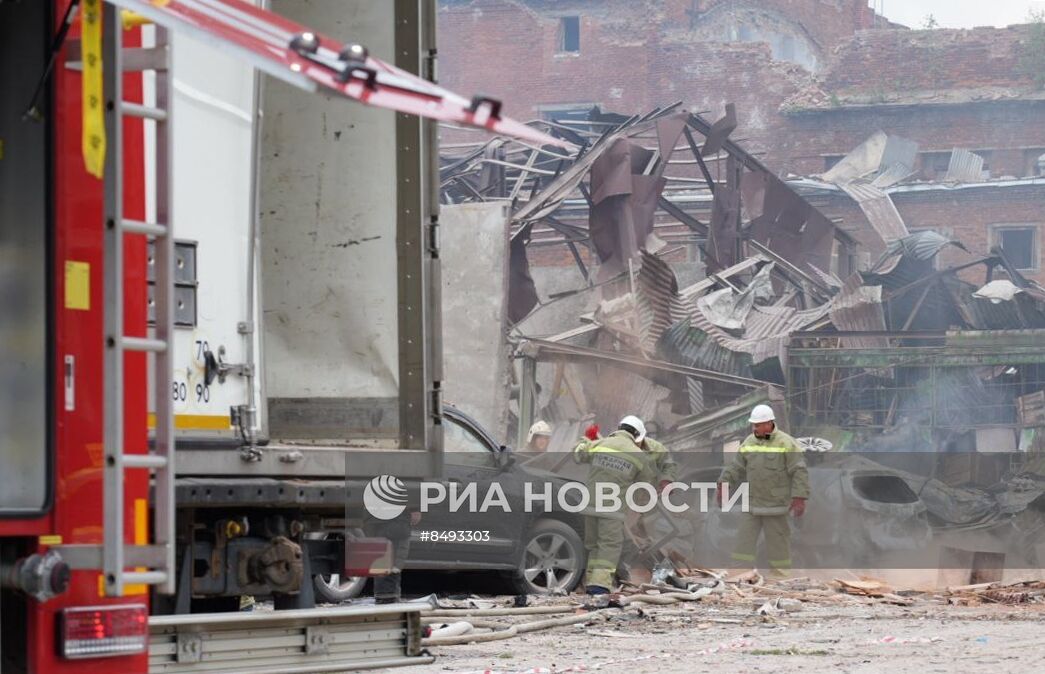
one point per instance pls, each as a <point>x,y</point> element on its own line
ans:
<point>552,559</point>
<point>334,589</point>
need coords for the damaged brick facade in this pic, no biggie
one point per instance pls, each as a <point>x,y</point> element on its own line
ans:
<point>811,80</point>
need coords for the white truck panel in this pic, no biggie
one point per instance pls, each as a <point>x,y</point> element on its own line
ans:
<point>328,214</point>
<point>213,115</point>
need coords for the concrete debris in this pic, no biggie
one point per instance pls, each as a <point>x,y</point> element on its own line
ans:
<point>747,603</point>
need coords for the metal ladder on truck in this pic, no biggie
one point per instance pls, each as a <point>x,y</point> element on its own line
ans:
<point>152,563</point>
<point>157,558</point>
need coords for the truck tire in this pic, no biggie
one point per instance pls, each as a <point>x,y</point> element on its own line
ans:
<point>335,589</point>
<point>551,561</point>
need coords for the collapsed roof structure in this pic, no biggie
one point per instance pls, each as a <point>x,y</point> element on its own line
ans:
<point>781,315</point>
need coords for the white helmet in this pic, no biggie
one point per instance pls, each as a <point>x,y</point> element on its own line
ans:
<point>538,428</point>
<point>636,423</point>
<point>761,413</point>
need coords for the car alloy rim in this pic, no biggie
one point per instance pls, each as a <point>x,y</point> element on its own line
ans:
<point>549,562</point>
<point>334,582</point>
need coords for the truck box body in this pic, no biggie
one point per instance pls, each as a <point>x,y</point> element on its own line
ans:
<point>330,199</point>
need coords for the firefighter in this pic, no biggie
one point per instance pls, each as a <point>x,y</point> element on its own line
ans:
<point>538,438</point>
<point>771,462</point>
<point>618,459</point>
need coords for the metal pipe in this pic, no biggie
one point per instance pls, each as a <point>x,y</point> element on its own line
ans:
<point>502,611</point>
<point>471,638</point>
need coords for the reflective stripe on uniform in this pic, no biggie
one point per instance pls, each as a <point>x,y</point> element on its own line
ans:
<point>761,448</point>
<point>741,557</point>
<point>780,563</point>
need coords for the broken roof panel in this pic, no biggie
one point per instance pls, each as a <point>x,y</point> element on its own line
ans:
<point>880,210</point>
<point>658,305</point>
<point>921,246</point>
<point>879,153</point>
<point>719,132</point>
<point>858,308</point>
<point>964,167</point>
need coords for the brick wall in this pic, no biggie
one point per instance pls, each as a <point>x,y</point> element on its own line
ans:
<point>887,61</point>
<point>965,214</point>
<point>941,88</point>
<point>504,49</point>
<point>828,22</point>
<point>1010,129</point>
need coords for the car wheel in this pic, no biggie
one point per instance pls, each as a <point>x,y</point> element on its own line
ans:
<point>335,589</point>
<point>552,559</point>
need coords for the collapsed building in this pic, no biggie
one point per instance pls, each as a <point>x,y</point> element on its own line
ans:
<point>921,364</point>
<point>781,313</point>
<point>881,290</point>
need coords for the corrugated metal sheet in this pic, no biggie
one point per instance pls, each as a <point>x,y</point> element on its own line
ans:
<point>1021,312</point>
<point>695,393</point>
<point>769,330</point>
<point>907,261</point>
<point>898,172</point>
<point>964,167</point>
<point>686,335</point>
<point>880,210</point>
<point>702,344</point>
<point>688,344</point>
<point>858,308</point>
<point>659,305</point>
<point>918,250</point>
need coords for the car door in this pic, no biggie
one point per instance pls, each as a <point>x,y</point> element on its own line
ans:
<point>471,458</point>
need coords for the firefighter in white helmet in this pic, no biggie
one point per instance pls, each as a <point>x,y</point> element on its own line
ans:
<point>539,436</point>
<point>623,458</point>
<point>772,464</point>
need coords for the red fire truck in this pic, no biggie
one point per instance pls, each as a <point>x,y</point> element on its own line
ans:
<point>87,490</point>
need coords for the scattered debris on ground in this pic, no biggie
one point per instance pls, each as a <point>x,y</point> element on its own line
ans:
<point>740,599</point>
<point>856,623</point>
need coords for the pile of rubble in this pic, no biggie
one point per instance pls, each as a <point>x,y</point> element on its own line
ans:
<point>780,312</point>
<point>707,597</point>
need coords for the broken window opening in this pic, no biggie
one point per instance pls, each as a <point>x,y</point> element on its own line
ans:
<point>1020,245</point>
<point>986,154</point>
<point>570,34</point>
<point>935,164</point>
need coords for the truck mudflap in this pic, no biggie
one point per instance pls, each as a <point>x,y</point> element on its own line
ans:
<point>288,642</point>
